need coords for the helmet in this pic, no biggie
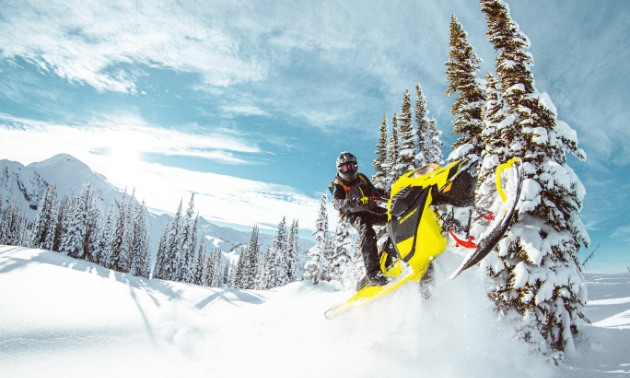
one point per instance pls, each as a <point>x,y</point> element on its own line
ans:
<point>347,166</point>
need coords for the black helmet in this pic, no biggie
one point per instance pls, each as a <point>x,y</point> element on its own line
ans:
<point>347,166</point>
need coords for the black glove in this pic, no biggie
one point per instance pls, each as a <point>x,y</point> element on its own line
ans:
<point>359,201</point>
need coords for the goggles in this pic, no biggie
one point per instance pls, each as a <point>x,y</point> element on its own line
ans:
<point>348,167</point>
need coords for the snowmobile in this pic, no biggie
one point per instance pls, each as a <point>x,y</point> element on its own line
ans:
<point>416,232</point>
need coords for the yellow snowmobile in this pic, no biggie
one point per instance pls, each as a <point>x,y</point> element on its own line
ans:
<point>415,234</point>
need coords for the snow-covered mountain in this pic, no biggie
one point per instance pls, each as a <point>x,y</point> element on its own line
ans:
<point>27,185</point>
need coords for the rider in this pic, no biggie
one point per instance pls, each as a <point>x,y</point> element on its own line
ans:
<point>351,192</point>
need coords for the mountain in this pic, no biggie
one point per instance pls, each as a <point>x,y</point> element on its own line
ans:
<point>27,185</point>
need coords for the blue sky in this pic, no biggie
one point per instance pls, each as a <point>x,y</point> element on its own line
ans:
<point>248,103</point>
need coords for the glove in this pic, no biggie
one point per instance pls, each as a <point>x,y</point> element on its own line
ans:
<point>362,201</point>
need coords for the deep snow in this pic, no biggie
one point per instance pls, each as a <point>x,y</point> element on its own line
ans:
<point>61,317</point>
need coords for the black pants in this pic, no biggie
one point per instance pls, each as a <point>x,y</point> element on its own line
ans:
<point>363,223</point>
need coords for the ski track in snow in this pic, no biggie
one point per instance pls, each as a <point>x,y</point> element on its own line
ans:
<point>61,317</point>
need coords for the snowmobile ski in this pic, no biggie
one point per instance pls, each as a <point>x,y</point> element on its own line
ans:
<point>491,237</point>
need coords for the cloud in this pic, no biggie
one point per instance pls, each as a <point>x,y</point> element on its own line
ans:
<point>126,136</point>
<point>89,41</point>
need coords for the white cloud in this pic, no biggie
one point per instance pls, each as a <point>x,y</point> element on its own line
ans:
<point>117,136</point>
<point>82,41</point>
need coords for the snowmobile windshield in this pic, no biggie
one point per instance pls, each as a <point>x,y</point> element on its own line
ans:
<point>425,170</point>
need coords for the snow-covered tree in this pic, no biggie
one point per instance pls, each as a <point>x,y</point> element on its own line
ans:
<point>393,147</point>
<point>312,268</point>
<point>462,68</point>
<point>140,247</point>
<point>293,251</point>
<point>173,246</point>
<point>358,267</point>
<point>73,242</point>
<point>538,271</point>
<point>43,220</point>
<point>198,270</point>
<point>379,179</point>
<point>341,264</point>
<point>428,136</point>
<point>119,247</point>
<point>405,161</point>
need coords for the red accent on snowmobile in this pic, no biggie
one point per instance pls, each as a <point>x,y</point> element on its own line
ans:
<point>487,217</point>
<point>465,244</point>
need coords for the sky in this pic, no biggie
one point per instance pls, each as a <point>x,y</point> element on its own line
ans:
<point>256,99</point>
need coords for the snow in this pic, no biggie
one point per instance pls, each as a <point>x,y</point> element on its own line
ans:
<point>63,317</point>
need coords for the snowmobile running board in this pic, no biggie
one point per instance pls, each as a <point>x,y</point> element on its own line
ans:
<point>414,229</point>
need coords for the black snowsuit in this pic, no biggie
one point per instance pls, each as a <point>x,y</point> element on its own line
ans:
<point>362,218</point>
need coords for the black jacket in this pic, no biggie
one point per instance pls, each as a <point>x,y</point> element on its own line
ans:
<point>361,187</point>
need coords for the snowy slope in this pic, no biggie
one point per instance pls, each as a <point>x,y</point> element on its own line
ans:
<point>62,317</point>
<point>27,185</point>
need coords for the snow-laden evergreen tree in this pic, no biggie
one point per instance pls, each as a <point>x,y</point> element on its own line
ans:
<point>538,271</point>
<point>63,215</point>
<point>379,179</point>
<point>261,274</point>
<point>160,257</point>
<point>140,248</point>
<point>197,273</point>
<point>428,136</point>
<point>93,227</point>
<point>312,268</point>
<point>118,248</point>
<point>53,223</point>
<point>341,264</point>
<point>237,276</point>
<point>43,220</point>
<point>206,275</point>
<point>325,258</point>
<point>462,68</point>
<point>280,267</point>
<point>252,261</point>
<point>358,267</point>
<point>188,243</point>
<point>3,229</point>
<point>77,228</point>
<point>393,147</point>
<point>405,161</point>
<point>293,252</point>
<point>217,268</point>
<point>173,246</point>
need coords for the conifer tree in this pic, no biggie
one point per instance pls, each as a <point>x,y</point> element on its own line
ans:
<point>341,264</point>
<point>379,179</point>
<point>52,225</point>
<point>405,161</point>
<point>428,136</point>
<point>198,271</point>
<point>173,250</point>
<point>43,219</point>
<point>187,244</point>
<point>537,274</point>
<point>293,251</point>
<point>237,276</point>
<point>93,227</point>
<point>262,271</point>
<point>207,276</point>
<point>217,268</point>
<point>281,264</point>
<point>312,268</point>
<point>65,208</point>
<point>140,248</point>
<point>160,257</point>
<point>462,68</point>
<point>73,240</point>
<point>118,248</point>
<point>392,154</point>
<point>358,266</point>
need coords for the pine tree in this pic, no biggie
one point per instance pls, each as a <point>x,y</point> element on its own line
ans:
<point>207,276</point>
<point>462,68</point>
<point>173,246</point>
<point>281,264</point>
<point>160,257</point>
<point>537,274</point>
<point>293,252</point>
<point>63,215</point>
<point>73,243</point>
<point>379,179</point>
<point>392,154</point>
<point>405,161</point>
<point>262,271</point>
<point>43,219</point>
<point>312,268</point>
<point>341,264</point>
<point>118,248</point>
<point>93,226</point>
<point>358,266</point>
<point>53,223</point>
<point>188,243</point>
<point>198,270</point>
<point>140,247</point>
<point>428,136</point>
<point>237,276</point>
<point>217,268</point>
